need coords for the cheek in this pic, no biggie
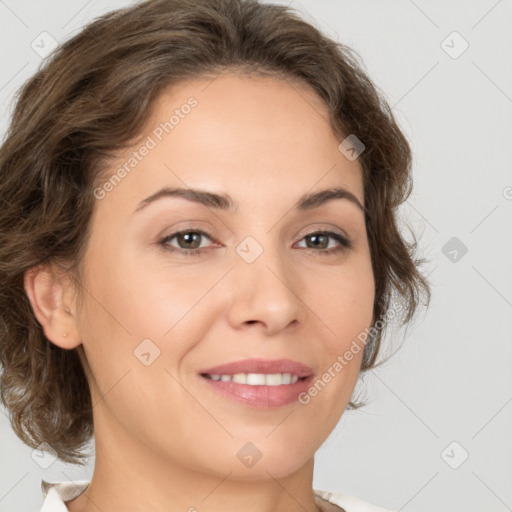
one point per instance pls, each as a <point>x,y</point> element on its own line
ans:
<point>150,300</point>
<point>343,302</point>
<point>140,320</point>
<point>165,296</point>
<point>345,309</point>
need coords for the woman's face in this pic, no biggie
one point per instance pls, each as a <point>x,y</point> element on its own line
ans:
<point>251,282</point>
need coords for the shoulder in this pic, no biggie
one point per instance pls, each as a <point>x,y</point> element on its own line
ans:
<point>347,502</point>
<point>57,493</point>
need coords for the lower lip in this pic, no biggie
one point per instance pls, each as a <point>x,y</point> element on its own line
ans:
<point>263,397</point>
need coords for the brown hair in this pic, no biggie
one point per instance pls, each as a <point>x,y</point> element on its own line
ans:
<point>90,99</point>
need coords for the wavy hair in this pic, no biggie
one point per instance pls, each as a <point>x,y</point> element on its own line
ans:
<point>90,99</point>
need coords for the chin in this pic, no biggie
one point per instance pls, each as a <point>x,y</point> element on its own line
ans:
<point>278,458</point>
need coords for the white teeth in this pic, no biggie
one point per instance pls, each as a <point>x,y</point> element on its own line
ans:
<point>255,379</point>
<point>258,379</point>
<point>273,379</point>
<point>239,378</point>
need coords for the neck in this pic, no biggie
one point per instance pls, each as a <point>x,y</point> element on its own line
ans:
<point>129,475</point>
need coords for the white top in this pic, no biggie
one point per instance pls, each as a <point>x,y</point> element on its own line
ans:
<point>57,493</point>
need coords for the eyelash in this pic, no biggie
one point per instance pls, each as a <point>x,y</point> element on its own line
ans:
<point>345,244</point>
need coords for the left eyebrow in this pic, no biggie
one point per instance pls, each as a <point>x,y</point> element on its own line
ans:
<point>225,202</point>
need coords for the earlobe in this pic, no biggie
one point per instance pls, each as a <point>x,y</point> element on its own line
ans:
<point>46,289</point>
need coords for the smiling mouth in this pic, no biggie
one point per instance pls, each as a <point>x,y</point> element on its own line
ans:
<point>256,379</point>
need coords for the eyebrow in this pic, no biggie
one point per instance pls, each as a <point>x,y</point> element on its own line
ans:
<point>225,202</point>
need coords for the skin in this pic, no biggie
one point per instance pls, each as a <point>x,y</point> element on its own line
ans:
<point>164,440</point>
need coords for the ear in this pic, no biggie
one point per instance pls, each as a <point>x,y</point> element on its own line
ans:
<point>48,290</point>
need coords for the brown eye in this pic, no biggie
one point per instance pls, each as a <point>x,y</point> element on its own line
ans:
<point>320,240</point>
<point>189,242</point>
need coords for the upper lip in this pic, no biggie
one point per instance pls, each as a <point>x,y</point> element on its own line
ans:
<point>261,366</point>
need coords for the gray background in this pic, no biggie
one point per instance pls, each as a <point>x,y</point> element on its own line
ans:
<point>451,380</point>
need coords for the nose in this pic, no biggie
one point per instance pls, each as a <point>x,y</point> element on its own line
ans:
<point>265,294</point>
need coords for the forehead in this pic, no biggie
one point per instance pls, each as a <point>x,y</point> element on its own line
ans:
<point>252,136</point>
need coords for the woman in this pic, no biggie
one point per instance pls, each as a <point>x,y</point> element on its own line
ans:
<point>199,255</point>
